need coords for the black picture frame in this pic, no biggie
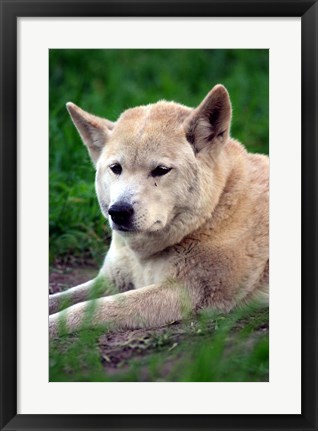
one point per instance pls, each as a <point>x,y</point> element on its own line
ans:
<point>10,11</point>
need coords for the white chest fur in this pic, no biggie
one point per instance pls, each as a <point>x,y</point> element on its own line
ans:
<point>123,267</point>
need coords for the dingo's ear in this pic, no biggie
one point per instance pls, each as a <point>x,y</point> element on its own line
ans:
<point>210,122</point>
<point>94,131</point>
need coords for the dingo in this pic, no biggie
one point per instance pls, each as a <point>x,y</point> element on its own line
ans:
<point>188,209</point>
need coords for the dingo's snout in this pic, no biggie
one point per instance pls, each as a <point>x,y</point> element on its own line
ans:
<point>121,214</point>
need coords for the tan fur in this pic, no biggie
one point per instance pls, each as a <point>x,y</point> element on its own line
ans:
<point>198,236</point>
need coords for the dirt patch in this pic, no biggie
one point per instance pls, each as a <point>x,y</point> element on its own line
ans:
<point>117,349</point>
<point>65,276</point>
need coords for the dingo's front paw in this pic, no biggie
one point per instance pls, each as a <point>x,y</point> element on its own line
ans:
<point>53,327</point>
<point>54,303</point>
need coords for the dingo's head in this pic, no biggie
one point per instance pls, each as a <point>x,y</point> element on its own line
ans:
<point>148,163</point>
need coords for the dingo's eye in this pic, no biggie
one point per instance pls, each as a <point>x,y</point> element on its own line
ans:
<point>159,171</point>
<point>116,168</point>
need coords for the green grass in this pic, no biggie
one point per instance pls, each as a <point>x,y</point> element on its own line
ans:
<point>212,348</point>
<point>106,82</point>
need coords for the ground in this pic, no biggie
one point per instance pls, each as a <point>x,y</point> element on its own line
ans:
<point>209,348</point>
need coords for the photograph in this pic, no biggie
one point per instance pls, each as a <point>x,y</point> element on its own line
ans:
<point>159,215</point>
<point>158,200</point>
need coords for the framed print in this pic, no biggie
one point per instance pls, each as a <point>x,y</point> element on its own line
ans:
<point>131,54</point>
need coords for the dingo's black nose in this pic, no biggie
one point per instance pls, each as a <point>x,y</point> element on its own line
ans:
<point>121,213</point>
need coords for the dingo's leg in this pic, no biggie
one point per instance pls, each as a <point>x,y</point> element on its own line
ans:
<point>149,306</point>
<point>97,287</point>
